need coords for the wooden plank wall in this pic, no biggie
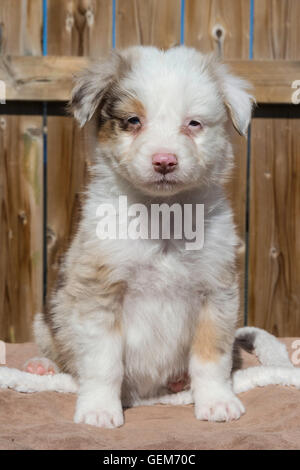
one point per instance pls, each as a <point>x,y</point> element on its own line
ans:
<point>21,186</point>
<point>84,28</point>
<point>274,263</point>
<point>154,23</point>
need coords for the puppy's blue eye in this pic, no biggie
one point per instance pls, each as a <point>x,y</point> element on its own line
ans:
<point>134,120</point>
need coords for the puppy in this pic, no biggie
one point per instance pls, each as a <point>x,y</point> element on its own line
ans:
<point>131,315</point>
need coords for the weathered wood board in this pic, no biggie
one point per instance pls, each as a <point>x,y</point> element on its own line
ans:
<point>147,22</point>
<point>21,222</point>
<point>221,26</point>
<point>79,27</point>
<point>50,78</point>
<point>20,27</point>
<point>21,185</point>
<point>274,293</point>
<point>274,263</point>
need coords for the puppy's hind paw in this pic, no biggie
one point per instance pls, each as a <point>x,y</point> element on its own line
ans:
<point>220,410</point>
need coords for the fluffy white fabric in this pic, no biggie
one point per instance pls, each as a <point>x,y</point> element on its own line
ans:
<point>28,383</point>
<point>261,376</point>
<point>276,369</point>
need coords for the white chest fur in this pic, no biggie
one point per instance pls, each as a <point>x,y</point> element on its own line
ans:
<point>161,305</point>
<point>165,284</point>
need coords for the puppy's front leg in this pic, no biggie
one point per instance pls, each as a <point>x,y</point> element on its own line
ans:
<point>100,376</point>
<point>210,365</point>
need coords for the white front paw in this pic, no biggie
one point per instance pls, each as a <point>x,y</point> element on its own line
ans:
<point>96,414</point>
<point>219,407</point>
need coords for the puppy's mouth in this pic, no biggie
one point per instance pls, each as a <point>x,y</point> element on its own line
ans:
<point>163,184</point>
<point>165,180</point>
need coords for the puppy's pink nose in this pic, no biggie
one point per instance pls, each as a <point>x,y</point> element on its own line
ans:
<point>164,162</point>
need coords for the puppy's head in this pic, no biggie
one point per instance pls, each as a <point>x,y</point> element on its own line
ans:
<point>160,115</point>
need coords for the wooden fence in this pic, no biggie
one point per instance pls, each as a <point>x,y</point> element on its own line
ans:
<point>43,159</point>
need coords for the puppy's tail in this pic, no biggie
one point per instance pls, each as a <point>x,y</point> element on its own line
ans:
<point>268,349</point>
<point>276,367</point>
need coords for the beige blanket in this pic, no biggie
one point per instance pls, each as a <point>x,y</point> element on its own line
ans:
<point>44,420</point>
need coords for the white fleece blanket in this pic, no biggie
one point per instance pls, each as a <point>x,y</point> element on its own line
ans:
<point>276,369</point>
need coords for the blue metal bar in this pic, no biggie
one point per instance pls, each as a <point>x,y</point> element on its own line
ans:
<point>45,27</point>
<point>113,24</point>
<point>45,156</point>
<point>247,218</point>
<point>251,29</point>
<point>182,20</point>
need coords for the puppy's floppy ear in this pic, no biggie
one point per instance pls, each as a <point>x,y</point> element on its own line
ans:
<point>236,98</point>
<point>91,86</point>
